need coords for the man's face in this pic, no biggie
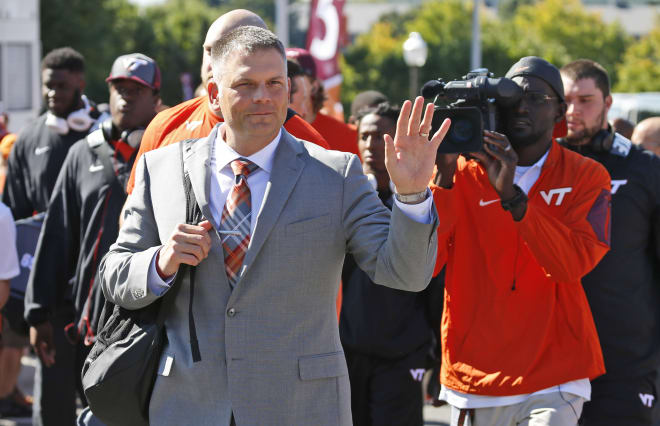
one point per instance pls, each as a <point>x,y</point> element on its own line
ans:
<point>371,144</point>
<point>587,109</point>
<point>61,90</point>
<point>132,105</point>
<point>301,101</point>
<point>253,93</point>
<point>534,117</point>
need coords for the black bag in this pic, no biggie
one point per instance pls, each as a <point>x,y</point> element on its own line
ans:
<point>120,370</point>
<point>27,236</point>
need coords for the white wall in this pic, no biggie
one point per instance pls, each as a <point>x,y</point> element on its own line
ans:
<point>20,55</point>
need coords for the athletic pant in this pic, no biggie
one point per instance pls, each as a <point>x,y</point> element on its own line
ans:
<point>55,387</point>
<point>385,391</point>
<point>631,401</point>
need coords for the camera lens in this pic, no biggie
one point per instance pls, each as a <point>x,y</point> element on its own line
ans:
<point>462,130</point>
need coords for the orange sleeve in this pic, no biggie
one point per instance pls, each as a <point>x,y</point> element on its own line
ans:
<point>570,246</point>
<point>303,130</point>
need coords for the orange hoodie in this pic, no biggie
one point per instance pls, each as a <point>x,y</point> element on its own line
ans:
<point>516,319</point>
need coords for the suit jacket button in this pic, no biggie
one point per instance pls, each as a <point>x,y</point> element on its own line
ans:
<point>231,312</point>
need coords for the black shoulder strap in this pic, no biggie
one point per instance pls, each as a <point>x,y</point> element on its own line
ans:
<point>193,216</point>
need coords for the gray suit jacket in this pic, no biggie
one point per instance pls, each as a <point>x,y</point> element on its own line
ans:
<point>270,349</point>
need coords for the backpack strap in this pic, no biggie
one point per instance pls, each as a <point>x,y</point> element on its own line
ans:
<point>193,216</point>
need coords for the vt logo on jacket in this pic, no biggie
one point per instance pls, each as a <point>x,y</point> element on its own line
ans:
<point>560,192</point>
<point>647,399</point>
<point>417,374</point>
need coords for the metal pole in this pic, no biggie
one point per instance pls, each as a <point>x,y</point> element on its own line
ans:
<point>414,77</point>
<point>475,54</point>
<point>282,21</point>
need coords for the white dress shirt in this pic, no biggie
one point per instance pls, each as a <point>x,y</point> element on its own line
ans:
<point>525,178</point>
<point>223,181</point>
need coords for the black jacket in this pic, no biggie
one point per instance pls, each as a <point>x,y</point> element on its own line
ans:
<point>33,166</point>
<point>380,321</point>
<point>624,289</point>
<point>81,224</point>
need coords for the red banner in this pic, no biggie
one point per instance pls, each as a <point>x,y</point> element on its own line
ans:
<point>325,37</point>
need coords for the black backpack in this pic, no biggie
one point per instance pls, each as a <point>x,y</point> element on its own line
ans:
<point>120,370</point>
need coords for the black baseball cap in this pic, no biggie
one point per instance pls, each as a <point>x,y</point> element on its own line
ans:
<point>540,68</point>
<point>136,67</point>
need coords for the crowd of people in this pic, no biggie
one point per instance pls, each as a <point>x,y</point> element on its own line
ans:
<point>337,264</point>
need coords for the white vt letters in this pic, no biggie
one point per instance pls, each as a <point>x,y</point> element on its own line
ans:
<point>618,183</point>
<point>417,374</point>
<point>547,196</point>
<point>647,399</point>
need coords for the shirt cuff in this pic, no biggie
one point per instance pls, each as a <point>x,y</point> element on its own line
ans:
<point>155,283</point>
<point>420,212</point>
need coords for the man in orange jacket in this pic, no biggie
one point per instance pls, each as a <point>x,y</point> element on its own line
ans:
<point>519,227</point>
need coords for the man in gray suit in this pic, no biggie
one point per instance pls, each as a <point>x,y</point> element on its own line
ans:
<point>268,261</point>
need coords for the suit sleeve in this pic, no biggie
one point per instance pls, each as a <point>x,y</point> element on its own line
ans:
<point>15,194</point>
<point>570,246</point>
<point>124,270</point>
<point>57,250</point>
<point>394,251</point>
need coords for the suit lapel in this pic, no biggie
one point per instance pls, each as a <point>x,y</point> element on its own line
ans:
<point>287,168</point>
<point>198,166</point>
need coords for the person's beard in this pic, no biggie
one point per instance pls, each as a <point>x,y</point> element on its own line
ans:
<point>527,140</point>
<point>587,133</point>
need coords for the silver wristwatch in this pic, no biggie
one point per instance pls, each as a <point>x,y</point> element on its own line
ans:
<point>415,198</point>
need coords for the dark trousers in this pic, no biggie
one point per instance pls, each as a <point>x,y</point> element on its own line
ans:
<point>385,391</point>
<point>55,387</point>
<point>631,401</point>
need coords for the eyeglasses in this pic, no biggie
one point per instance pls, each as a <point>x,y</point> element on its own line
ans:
<point>537,98</point>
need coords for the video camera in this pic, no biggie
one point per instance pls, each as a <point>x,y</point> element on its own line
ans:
<point>473,107</point>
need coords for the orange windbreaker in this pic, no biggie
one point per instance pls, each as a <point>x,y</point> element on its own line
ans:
<point>516,319</point>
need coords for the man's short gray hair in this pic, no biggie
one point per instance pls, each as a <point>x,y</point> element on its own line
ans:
<point>245,39</point>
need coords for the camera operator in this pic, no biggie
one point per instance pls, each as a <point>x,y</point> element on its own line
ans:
<point>520,224</point>
<point>624,289</point>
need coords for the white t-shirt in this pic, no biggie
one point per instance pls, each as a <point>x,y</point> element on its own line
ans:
<point>8,256</point>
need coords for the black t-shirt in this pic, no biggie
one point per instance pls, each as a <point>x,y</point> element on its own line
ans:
<point>624,288</point>
<point>81,224</point>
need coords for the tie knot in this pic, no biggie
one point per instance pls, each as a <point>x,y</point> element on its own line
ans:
<point>243,167</point>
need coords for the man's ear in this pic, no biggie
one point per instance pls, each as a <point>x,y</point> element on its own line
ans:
<point>213,94</point>
<point>561,112</point>
<point>288,89</point>
<point>608,102</point>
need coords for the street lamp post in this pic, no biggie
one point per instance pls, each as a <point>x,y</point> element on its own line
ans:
<point>415,53</point>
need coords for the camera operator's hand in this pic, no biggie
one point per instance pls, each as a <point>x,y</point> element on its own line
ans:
<point>409,157</point>
<point>500,161</point>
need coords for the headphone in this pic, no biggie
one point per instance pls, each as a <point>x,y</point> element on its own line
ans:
<point>602,140</point>
<point>132,137</point>
<point>78,121</point>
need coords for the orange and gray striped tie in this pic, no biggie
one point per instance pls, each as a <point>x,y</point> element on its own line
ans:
<point>236,217</point>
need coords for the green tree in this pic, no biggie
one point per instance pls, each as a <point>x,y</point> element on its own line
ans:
<point>640,69</point>
<point>100,30</point>
<point>179,28</point>
<point>561,31</point>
